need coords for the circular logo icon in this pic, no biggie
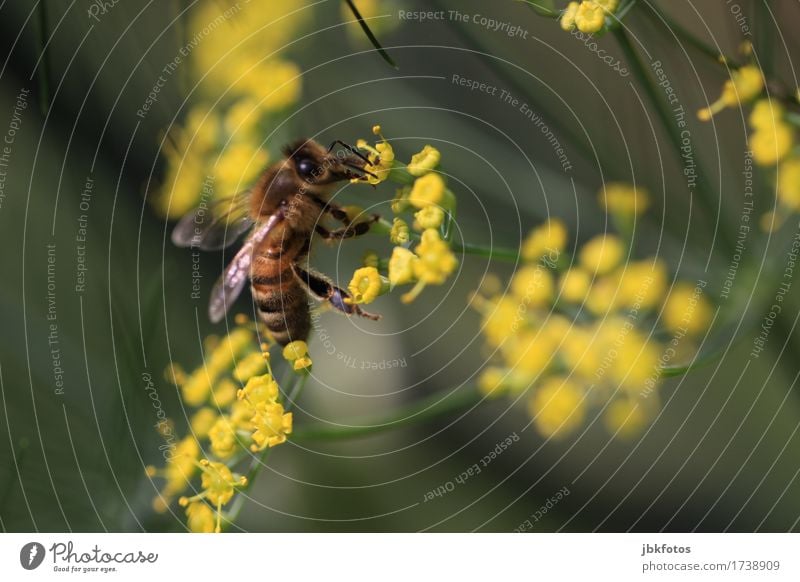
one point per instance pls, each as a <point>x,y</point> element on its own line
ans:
<point>31,555</point>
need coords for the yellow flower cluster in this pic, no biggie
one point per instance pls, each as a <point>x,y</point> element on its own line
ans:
<point>745,84</point>
<point>588,16</point>
<point>236,403</point>
<point>422,257</point>
<point>586,332</point>
<point>218,151</point>
<point>771,142</point>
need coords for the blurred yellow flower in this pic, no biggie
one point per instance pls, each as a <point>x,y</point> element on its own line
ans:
<point>687,310</point>
<point>226,35</point>
<point>601,254</point>
<point>202,421</point>
<point>789,183</point>
<point>623,199</point>
<point>626,417</point>
<point>237,166</point>
<point>178,470</point>
<point>557,407</point>
<point>744,85</point>
<point>200,517</point>
<point>528,353</point>
<point>533,285</point>
<point>574,285</point>
<point>223,438</point>
<point>641,284</point>
<point>602,297</point>
<point>772,137</point>
<point>500,319</point>
<point>548,239</point>
<point>249,366</point>
<point>637,360</point>
<point>590,17</point>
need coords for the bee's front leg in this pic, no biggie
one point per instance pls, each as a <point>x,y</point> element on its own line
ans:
<point>322,288</point>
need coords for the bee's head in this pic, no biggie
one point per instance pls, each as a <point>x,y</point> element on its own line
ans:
<point>316,165</point>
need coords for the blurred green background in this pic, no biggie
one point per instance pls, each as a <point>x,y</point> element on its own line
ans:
<point>723,455</point>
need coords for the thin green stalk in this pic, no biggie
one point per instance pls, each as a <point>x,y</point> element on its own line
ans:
<point>259,461</point>
<point>542,8</point>
<point>428,408</point>
<point>679,31</point>
<point>518,88</point>
<point>670,126</point>
<point>43,72</point>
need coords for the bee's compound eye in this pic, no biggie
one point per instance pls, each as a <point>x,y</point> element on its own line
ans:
<point>306,168</point>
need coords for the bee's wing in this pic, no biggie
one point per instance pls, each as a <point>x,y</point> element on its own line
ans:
<point>230,284</point>
<point>216,225</point>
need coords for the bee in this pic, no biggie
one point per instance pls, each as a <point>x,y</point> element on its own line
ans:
<point>283,210</point>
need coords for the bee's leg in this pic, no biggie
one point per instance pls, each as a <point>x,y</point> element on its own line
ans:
<point>341,233</point>
<point>324,289</point>
<point>338,213</point>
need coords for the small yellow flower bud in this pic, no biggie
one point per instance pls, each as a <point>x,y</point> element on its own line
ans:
<point>424,161</point>
<point>568,16</point>
<point>401,266</point>
<point>428,217</point>
<point>366,285</point>
<point>427,190</point>
<point>590,17</point>
<point>436,260</point>
<point>295,350</point>
<point>399,234</point>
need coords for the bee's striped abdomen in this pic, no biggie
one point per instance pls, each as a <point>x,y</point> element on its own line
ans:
<point>281,299</point>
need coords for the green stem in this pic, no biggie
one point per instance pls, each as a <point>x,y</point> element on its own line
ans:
<point>670,126</point>
<point>428,408</point>
<point>492,252</point>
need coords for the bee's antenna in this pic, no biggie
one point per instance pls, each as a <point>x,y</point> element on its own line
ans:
<point>350,148</point>
<point>362,170</point>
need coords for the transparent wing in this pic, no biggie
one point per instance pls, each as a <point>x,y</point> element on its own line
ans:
<point>230,284</point>
<point>215,225</point>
